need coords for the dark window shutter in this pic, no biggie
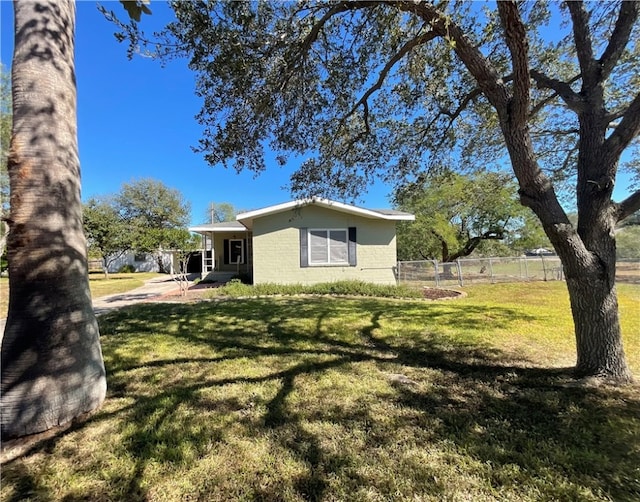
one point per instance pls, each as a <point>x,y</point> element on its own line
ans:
<point>246,250</point>
<point>304,248</point>
<point>353,259</point>
<point>225,245</point>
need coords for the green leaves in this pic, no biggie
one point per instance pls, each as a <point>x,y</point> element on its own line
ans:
<point>455,213</point>
<point>153,211</point>
<point>366,90</point>
<point>144,216</point>
<point>106,230</point>
<point>135,8</point>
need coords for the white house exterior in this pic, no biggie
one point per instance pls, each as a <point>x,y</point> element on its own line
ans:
<point>143,262</point>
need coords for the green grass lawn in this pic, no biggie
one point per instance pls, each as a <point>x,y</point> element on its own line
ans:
<point>319,398</point>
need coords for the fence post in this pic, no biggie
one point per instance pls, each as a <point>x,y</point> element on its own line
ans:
<point>544,268</point>
<point>459,268</point>
<point>490,271</point>
<point>436,272</point>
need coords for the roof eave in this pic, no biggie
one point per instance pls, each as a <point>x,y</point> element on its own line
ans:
<point>248,217</point>
<point>216,229</point>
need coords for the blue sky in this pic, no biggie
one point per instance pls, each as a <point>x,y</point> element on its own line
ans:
<point>136,120</point>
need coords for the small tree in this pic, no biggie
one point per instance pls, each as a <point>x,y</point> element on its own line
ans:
<point>184,245</point>
<point>153,212</point>
<point>455,213</point>
<point>106,230</point>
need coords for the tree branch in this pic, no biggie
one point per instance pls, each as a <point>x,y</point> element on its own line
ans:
<point>628,206</point>
<point>619,38</point>
<point>542,103</point>
<point>613,116</point>
<point>476,63</point>
<point>317,27</point>
<point>516,38</point>
<point>563,89</point>
<point>625,131</point>
<point>404,50</point>
<point>584,44</point>
<point>461,107</point>
<point>473,242</point>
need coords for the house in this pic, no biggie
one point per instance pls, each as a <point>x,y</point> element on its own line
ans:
<point>140,262</point>
<point>304,241</point>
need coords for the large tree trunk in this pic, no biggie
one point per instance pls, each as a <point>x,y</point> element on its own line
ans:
<point>589,259</point>
<point>588,252</point>
<point>588,256</point>
<point>594,301</point>
<point>594,306</point>
<point>52,367</point>
<point>590,276</point>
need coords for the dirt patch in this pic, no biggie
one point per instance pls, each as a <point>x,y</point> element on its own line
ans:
<point>441,294</point>
<point>195,293</point>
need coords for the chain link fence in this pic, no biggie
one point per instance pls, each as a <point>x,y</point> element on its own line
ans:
<point>493,270</point>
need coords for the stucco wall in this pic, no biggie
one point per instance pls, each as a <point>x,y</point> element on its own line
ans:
<point>276,248</point>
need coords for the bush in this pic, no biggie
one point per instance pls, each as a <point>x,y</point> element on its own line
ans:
<point>243,277</point>
<point>235,288</point>
<point>127,269</point>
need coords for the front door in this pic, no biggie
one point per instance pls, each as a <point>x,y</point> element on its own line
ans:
<point>236,251</point>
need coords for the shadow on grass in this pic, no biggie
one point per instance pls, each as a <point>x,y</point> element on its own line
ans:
<point>256,366</point>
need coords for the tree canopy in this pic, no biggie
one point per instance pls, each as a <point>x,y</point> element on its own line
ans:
<point>144,216</point>
<point>153,212</point>
<point>106,230</point>
<point>218,212</point>
<point>363,89</point>
<point>455,213</point>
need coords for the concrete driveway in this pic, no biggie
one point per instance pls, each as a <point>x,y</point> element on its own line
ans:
<point>152,289</point>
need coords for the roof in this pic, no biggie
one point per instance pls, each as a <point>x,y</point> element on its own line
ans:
<point>383,214</point>
<point>225,226</point>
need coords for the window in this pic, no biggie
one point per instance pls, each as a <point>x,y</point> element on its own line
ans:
<point>320,246</point>
<point>327,247</point>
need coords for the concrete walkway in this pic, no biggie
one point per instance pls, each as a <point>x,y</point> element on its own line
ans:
<point>152,289</point>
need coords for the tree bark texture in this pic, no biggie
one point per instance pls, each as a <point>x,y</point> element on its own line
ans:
<point>52,366</point>
<point>588,253</point>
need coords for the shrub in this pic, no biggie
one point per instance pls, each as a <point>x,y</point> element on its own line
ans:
<point>243,277</point>
<point>127,269</point>
<point>236,288</point>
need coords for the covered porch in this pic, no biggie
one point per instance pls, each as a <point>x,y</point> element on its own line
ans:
<point>226,250</point>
